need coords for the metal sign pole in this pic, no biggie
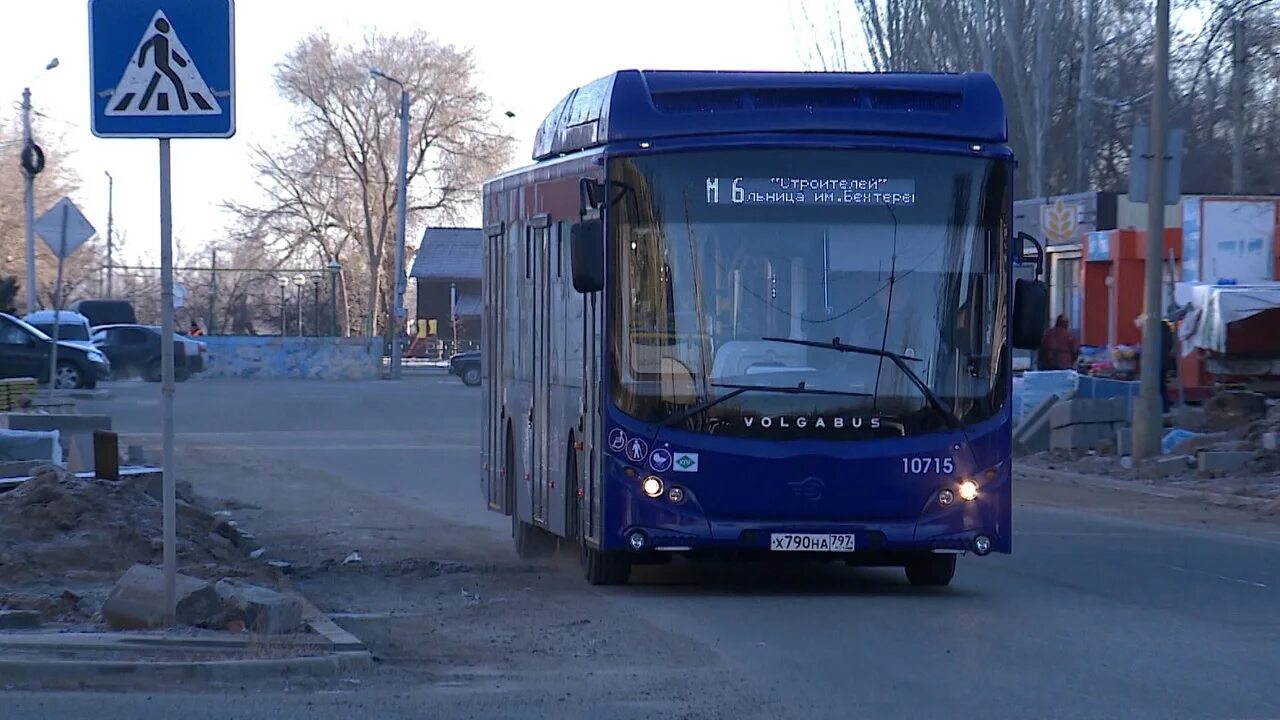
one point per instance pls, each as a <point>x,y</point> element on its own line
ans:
<point>57,304</point>
<point>167,389</point>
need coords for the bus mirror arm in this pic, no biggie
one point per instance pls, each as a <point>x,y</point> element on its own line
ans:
<point>1023,256</point>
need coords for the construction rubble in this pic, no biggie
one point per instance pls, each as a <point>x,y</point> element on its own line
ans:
<point>1233,440</point>
<point>85,553</point>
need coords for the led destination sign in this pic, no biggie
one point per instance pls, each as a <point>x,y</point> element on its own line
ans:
<point>810,191</point>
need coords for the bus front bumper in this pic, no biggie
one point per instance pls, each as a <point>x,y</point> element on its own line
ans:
<point>981,526</point>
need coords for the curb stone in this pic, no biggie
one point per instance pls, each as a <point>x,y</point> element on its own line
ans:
<point>1141,488</point>
<point>346,654</point>
<point>90,673</point>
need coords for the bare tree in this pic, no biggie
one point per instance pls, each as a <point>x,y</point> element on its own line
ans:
<point>81,271</point>
<point>332,192</point>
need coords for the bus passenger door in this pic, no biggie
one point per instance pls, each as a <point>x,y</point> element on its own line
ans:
<point>540,350</point>
<point>493,331</point>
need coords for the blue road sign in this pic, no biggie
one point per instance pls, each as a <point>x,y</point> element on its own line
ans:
<point>162,68</point>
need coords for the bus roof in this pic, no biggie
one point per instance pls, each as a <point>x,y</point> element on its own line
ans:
<point>640,105</point>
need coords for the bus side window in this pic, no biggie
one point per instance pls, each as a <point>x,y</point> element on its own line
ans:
<point>528,253</point>
<point>561,228</point>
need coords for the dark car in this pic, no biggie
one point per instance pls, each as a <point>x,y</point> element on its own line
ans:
<point>25,352</point>
<point>466,365</point>
<point>134,350</point>
<point>106,312</point>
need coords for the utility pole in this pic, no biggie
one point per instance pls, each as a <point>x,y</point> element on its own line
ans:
<point>111,201</point>
<point>1238,70</point>
<point>402,213</point>
<point>1086,89</point>
<point>212,324</point>
<point>1148,418</point>
<point>29,203</point>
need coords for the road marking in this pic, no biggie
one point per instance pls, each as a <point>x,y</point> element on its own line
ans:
<point>1242,581</point>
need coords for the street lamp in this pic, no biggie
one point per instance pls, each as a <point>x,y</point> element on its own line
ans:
<point>334,267</point>
<point>284,321</point>
<point>299,281</point>
<point>32,164</point>
<point>316,279</point>
<point>111,194</point>
<point>402,192</point>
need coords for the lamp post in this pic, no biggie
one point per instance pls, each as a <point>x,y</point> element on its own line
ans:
<point>299,281</point>
<point>316,279</point>
<point>32,164</point>
<point>402,192</point>
<point>111,195</point>
<point>284,320</point>
<point>334,267</point>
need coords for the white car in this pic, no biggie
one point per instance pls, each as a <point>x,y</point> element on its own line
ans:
<point>73,327</point>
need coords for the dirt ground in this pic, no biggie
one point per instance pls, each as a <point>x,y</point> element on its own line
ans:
<point>67,540</point>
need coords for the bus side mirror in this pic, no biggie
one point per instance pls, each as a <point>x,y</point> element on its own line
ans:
<point>586,253</point>
<point>1030,313</point>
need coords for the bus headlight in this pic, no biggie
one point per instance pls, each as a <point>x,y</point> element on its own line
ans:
<point>968,490</point>
<point>652,486</point>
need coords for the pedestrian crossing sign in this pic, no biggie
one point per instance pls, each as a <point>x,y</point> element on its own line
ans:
<point>161,77</point>
<point>162,68</point>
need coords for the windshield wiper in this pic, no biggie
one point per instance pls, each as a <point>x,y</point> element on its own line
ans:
<point>900,360</point>
<point>735,390</point>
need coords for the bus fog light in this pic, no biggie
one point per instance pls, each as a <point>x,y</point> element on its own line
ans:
<point>968,490</point>
<point>636,540</point>
<point>946,497</point>
<point>676,495</point>
<point>652,486</point>
<point>982,544</point>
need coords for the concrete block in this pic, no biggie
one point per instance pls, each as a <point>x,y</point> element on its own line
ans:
<point>137,600</point>
<point>1224,461</point>
<point>1083,411</point>
<point>1124,441</point>
<point>19,619</point>
<point>61,423</point>
<point>1271,441</point>
<point>1032,434</point>
<point>261,609</point>
<point>1172,465</point>
<point>1081,437</point>
<point>17,445</point>
<point>19,468</point>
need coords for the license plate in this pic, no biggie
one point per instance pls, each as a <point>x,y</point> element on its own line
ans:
<point>811,542</point>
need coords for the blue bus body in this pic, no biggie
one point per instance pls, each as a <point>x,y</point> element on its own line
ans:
<point>703,396</point>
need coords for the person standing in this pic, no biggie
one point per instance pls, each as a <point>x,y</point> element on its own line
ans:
<point>1059,349</point>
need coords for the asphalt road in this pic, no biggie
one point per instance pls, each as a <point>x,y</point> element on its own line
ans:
<point>1094,615</point>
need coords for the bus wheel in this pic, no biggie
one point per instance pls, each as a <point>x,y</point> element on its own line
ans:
<point>605,568</point>
<point>931,570</point>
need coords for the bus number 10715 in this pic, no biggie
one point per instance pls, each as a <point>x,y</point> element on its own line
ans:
<point>928,466</point>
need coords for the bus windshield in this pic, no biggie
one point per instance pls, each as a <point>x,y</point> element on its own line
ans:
<point>722,261</point>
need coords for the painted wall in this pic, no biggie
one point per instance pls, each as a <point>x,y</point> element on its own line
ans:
<point>324,358</point>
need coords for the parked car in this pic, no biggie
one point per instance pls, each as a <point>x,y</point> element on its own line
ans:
<point>25,352</point>
<point>72,326</point>
<point>106,312</point>
<point>466,365</point>
<point>134,350</point>
<point>195,350</point>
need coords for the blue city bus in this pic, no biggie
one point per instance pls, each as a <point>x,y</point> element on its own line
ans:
<point>763,314</point>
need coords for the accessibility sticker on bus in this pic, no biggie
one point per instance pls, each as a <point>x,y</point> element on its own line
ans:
<point>811,191</point>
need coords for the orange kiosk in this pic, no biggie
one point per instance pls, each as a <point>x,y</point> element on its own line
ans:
<point>1112,286</point>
